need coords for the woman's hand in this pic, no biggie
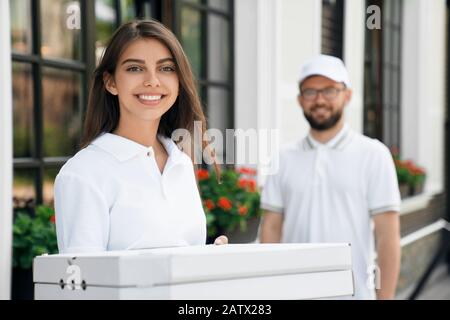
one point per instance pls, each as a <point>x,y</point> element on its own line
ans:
<point>221,240</point>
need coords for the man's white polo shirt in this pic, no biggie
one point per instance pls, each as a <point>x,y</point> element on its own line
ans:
<point>329,192</point>
<point>112,196</point>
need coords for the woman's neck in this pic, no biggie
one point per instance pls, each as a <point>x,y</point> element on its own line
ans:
<point>142,132</point>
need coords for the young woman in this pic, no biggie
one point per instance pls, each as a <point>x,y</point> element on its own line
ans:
<point>131,186</point>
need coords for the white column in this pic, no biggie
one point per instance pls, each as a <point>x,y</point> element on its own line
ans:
<point>300,40</point>
<point>354,34</point>
<point>5,152</point>
<point>256,72</point>
<point>423,87</point>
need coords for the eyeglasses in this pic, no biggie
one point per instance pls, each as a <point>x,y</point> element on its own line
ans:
<point>329,93</point>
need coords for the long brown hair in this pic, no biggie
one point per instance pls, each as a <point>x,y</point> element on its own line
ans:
<point>103,110</point>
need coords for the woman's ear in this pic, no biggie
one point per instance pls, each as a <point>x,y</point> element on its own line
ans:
<point>109,83</point>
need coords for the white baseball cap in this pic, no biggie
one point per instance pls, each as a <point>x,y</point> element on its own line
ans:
<point>327,66</point>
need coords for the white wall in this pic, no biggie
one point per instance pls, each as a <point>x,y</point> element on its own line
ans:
<point>300,40</point>
<point>5,152</point>
<point>256,69</point>
<point>354,34</point>
<point>423,87</point>
<point>273,39</point>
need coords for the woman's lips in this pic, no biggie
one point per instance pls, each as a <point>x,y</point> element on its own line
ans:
<point>149,100</point>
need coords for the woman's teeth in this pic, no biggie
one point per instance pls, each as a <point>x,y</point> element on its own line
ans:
<point>149,98</point>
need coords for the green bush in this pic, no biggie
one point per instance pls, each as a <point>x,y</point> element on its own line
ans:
<point>33,235</point>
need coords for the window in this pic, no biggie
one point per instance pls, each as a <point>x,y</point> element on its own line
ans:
<point>52,64</point>
<point>382,75</point>
<point>205,29</point>
<point>333,27</point>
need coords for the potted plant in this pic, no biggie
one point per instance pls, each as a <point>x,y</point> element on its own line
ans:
<point>403,175</point>
<point>232,207</point>
<point>34,233</point>
<point>411,178</point>
<point>417,179</point>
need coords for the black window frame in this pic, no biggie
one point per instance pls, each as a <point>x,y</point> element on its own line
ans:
<point>333,27</point>
<point>84,67</point>
<point>203,82</point>
<point>382,114</point>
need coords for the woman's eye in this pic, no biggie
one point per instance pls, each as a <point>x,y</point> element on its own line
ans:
<point>134,69</point>
<point>168,69</point>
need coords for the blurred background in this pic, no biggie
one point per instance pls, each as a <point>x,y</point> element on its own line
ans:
<point>246,55</point>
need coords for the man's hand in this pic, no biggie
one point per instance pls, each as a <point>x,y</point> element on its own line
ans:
<point>387,233</point>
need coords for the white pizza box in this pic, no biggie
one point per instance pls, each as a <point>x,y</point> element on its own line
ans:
<point>249,271</point>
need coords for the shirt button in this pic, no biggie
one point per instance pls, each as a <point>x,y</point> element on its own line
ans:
<point>150,153</point>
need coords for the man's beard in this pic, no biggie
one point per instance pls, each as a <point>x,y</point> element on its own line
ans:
<point>326,124</point>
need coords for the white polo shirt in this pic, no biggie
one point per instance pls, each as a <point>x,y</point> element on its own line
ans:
<point>112,196</point>
<point>329,193</point>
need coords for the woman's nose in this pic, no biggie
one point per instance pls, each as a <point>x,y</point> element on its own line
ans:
<point>151,80</point>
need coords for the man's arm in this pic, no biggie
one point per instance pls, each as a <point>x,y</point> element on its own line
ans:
<point>387,233</point>
<point>271,227</point>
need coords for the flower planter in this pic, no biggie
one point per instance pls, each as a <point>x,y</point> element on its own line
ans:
<point>237,236</point>
<point>417,189</point>
<point>404,190</point>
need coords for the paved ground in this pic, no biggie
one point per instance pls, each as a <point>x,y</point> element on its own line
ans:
<point>437,287</point>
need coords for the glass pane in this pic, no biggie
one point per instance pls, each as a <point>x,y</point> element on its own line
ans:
<point>396,47</point>
<point>387,86</point>
<point>61,26</point>
<point>61,108</point>
<point>24,189</point>
<point>21,35</point>
<point>222,5</point>
<point>49,181</point>
<point>218,114</point>
<point>395,88</point>
<point>191,38</point>
<point>128,10</point>
<point>23,126</point>
<point>387,14</point>
<point>194,1</point>
<point>105,21</point>
<point>219,49</point>
<point>387,44</point>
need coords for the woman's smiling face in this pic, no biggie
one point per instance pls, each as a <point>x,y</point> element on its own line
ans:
<point>145,80</point>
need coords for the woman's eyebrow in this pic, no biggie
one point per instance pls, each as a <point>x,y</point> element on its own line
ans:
<point>165,59</point>
<point>143,61</point>
<point>134,61</point>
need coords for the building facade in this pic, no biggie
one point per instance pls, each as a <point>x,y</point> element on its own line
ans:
<point>246,56</point>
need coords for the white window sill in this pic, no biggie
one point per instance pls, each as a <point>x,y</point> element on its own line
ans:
<point>416,203</point>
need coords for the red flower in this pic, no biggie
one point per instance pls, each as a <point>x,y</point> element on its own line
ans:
<point>243,210</point>
<point>53,219</point>
<point>224,203</point>
<point>249,184</point>
<point>202,174</point>
<point>252,185</point>
<point>209,204</point>
<point>242,183</point>
<point>248,171</point>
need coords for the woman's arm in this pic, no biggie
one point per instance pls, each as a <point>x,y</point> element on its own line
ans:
<point>82,215</point>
